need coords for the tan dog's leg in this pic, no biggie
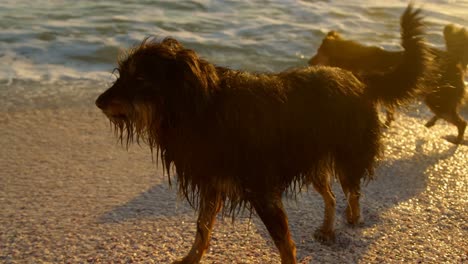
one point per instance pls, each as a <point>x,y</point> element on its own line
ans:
<point>209,208</point>
<point>390,116</point>
<point>461,131</point>
<point>453,117</point>
<point>326,233</point>
<point>458,121</point>
<point>270,209</point>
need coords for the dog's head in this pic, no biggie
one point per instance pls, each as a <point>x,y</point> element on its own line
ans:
<point>339,52</point>
<point>330,46</point>
<point>456,40</point>
<point>157,82</point>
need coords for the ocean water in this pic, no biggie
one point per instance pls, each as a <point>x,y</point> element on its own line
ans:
<point>62,52</point>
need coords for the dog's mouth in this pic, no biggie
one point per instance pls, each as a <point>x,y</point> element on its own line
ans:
<point>118,116</point>
<point>115,111</point>
<point>318,59</point>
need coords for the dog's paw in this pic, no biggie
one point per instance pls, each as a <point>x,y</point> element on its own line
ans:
<point>352,219</point>
<point>430,123</point>
<point>456,140</point>
<point>189,259</point>
<point>325,237</point>
<point>182,261</point>
<point>387,123</point>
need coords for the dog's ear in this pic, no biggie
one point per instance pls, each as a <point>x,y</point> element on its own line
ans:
<point>333,35</point>
<point>323,51</point>
<point>450,35</point>
<point>172,44</point>
<point>454,35</point>
<point>196,73</point>
<point>184,66</point>
<point>449,30</point>
<point>190,81</point>
<point>329,41</point>
<point>456,41</point>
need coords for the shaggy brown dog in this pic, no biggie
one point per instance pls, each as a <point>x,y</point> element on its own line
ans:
<point>239,139</point>
<point>445,80</point>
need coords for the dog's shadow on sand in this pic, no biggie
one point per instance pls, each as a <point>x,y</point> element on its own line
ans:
<point>159,201</point>
<point>402,179</point>
<point>395,182</point>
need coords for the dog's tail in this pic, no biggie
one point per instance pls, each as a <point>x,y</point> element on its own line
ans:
<point>401,83</point>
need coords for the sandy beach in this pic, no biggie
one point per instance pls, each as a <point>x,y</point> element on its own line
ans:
<point>70,194</point>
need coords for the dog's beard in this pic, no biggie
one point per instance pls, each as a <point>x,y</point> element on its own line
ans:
<point>139,124</point>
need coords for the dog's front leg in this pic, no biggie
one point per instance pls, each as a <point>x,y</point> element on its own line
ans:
<point>210,205</point>
<point>270,210</point>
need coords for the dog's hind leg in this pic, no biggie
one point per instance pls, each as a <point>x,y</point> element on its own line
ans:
<point>351,169</point>
<point>457,120</point>
<point>461,131</point>
<point>322,184</point>
<point>210,205</point>
<point>390,116</point>
<point>271,211</point>
<point>352,191</point>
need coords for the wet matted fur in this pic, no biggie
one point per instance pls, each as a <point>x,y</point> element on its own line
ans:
<point>444,81</point>
<point>237,139</point>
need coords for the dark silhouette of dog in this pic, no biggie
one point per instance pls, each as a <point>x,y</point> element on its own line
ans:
<point>444,82</point>
<point>235,140</point>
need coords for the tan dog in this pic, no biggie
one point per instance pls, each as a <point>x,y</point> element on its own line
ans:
<point>445,80</point>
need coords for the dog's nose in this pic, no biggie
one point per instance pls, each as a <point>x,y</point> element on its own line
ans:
<point>99,102</point>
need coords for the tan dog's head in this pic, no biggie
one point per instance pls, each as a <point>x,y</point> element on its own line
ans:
<point>347,54</point>
<point>330,45</point>
<point>456,40</point>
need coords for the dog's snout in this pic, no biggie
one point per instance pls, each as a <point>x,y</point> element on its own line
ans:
<point>100,102</point>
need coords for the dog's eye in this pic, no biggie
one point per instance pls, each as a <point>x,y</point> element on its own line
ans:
<point>139,83</point>
<point>142,83</point>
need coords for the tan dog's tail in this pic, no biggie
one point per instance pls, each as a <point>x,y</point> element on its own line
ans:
<point>401,83</point>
